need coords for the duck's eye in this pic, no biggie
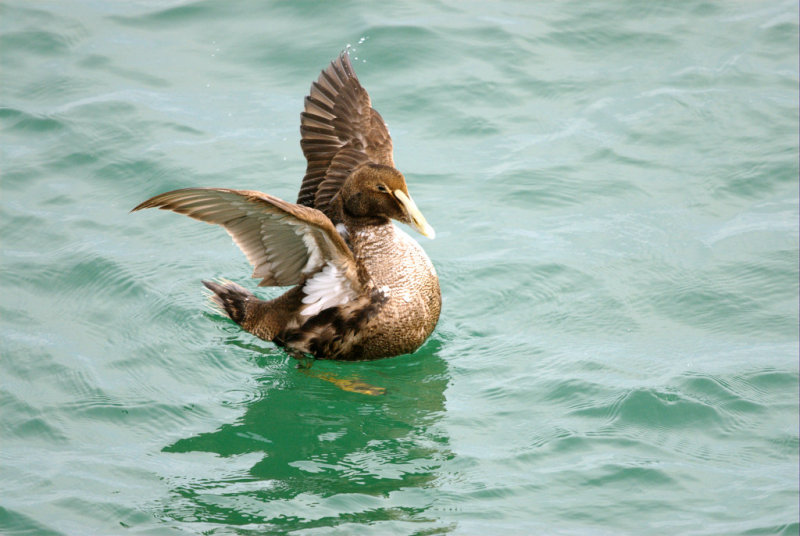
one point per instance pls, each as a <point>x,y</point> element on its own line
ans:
<point>382,188</point>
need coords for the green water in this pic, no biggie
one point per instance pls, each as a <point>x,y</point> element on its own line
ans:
<point>614,187</point>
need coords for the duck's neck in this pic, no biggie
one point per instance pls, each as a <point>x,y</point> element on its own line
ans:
<point>338,213</point>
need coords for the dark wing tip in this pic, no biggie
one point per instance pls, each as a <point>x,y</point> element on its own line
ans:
<point>158,201</point>
<point>145,204</point>
<point>347,66</point>
<point>342,59</point>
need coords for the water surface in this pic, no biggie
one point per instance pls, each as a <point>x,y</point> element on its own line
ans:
<point>614,187</point>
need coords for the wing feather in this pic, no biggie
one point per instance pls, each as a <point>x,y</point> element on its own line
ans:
<point>338,116</point>
<point>286,243</point>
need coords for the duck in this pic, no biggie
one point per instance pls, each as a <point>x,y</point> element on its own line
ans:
<point>362,288</point>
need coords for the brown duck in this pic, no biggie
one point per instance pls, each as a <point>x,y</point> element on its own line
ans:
<point>363,289</point>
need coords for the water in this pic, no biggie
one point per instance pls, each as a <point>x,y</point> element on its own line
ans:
<point>614,188</point>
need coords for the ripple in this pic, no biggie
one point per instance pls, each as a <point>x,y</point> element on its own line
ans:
<point>548,295</point>
<point>632,475</point>
<point>202,11</point>
<point>751,179</point>
<point>104,63</point>
<point>555,187</point>
<point>36,41</point>
<point>30,424</point>
<point>734,297</point>
<point>769,380</point>
<point>738,411</point>
<point>658,410</point>
<point>592,39</point>
<point>19,523</point>
<point>81,273</point>
<point>21,122</point>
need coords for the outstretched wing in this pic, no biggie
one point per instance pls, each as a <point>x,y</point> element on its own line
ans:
<point>287,244</point>
<point>340,131</point>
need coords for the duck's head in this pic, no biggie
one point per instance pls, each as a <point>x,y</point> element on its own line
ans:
<point>378,191</point>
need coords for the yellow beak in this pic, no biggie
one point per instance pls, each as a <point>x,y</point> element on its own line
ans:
<point>417,219</point>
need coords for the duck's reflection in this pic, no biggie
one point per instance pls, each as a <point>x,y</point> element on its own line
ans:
<point>342,452</point>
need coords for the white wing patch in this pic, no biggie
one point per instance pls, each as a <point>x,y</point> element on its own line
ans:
<point>328,288</point>
<point>315,255</point>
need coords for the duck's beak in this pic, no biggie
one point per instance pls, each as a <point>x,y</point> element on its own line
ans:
<point>416,217</point>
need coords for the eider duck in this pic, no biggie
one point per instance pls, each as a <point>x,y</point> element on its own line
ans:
<point>362,288</point>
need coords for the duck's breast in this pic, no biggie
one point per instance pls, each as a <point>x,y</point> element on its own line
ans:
<point>405,277</point>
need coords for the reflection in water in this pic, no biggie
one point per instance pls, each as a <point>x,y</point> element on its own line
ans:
<point>329,456</point>
<point>353,385</point>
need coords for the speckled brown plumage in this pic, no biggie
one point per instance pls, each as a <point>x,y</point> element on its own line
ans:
<point>363,289</point>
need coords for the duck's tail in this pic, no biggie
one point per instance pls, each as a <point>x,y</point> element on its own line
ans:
<point>264,319</point>
<point>231,299</point>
